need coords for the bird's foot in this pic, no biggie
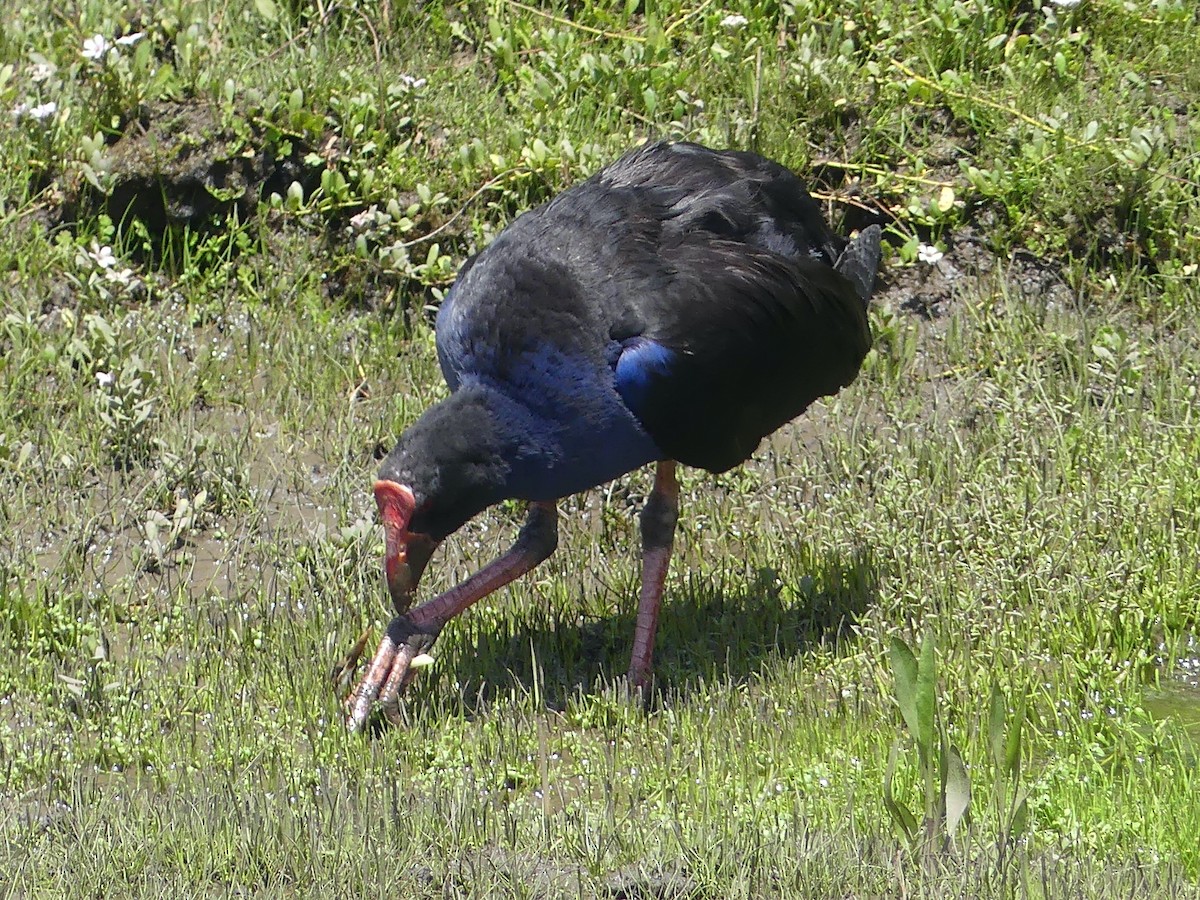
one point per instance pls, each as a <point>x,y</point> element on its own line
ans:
<point>404,648</point>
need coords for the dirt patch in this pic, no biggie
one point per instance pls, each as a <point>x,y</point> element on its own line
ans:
<point>929,290</point>
<point>186,162</point>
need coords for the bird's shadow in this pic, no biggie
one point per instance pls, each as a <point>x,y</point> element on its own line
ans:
<point>722,628</point>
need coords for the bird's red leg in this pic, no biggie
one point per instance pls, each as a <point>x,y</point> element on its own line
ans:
<point>411,634</point>
<point>658,533</point>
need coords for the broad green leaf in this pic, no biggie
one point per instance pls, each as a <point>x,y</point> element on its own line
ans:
<point>957,789</point>
<point>904,666</point>
<point>267,9</point>
<point>926,693</point>
<point>996,734</point>
<point>141,56</point>
<point>1020,817</point>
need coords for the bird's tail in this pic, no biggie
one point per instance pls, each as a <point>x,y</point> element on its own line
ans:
<point>860,260</point>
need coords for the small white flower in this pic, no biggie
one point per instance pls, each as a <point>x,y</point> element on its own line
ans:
<point>102,256</point>
<point>20,110</point>
<point>130,39</point>
<point>412,81</point>
<point>929,254</point>
<point>123,277</point>
<point>1066,4</point>
<point>104,379</point>
<point>40,72</point>
<point>734,21</point>
<point>95,47</point>
<point>43,110</point>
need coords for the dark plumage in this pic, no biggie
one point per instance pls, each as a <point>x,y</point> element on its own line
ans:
<point>679,305</point>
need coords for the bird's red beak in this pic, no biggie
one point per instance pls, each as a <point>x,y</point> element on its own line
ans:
<point>407,553</point>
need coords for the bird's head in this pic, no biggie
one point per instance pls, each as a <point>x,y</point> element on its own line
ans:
<point>450,465</point>
<point>407,552</point>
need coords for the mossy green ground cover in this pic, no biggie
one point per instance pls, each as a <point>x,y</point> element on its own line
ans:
<point>221,242</point>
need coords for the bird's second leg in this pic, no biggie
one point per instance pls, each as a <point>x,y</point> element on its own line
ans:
<point>412,634</point>
<point>658,534</point>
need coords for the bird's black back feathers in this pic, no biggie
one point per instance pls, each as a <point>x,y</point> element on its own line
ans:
<point>682,303</point>
<point>763,310</point>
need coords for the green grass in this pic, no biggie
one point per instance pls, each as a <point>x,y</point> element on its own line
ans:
<point>187,538</point>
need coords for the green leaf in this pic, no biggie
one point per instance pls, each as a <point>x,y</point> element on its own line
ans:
<point>1012,750</point>
<point>900,813</point>
<point>904,667</point>
<point>1020,817</point>
<point>267,9</point>
<point>24,455</point>
<point>996,719</point>
<point>141,56</point>
<point>926,693</point>
<point>957,788</point>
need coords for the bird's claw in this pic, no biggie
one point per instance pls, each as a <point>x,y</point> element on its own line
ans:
<point>391,671</point>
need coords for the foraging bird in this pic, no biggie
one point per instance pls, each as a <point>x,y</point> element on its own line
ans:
<point>678,306</point>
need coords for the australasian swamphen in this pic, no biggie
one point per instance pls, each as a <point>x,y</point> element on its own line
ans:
<point>678,306</point>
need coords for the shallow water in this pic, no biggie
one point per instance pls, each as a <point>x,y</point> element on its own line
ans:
<point>1178,695</point>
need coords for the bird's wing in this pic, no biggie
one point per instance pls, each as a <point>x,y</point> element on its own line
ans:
<point>727,193</point>
<point>738,341</point>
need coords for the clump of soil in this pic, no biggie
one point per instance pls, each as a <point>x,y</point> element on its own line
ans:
<point>184,163</point>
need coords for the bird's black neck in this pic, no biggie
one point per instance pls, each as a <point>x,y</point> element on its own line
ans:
<point>457,459</point>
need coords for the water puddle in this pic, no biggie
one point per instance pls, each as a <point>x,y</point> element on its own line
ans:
<point>1177,697</point>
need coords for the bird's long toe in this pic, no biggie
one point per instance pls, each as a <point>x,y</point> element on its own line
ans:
<point>398,679</point>
<point>402,651</point>
<point>378,674</point>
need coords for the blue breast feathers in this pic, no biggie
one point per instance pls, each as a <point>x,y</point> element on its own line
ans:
<point>577,430</point>
<point>639,363</point>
